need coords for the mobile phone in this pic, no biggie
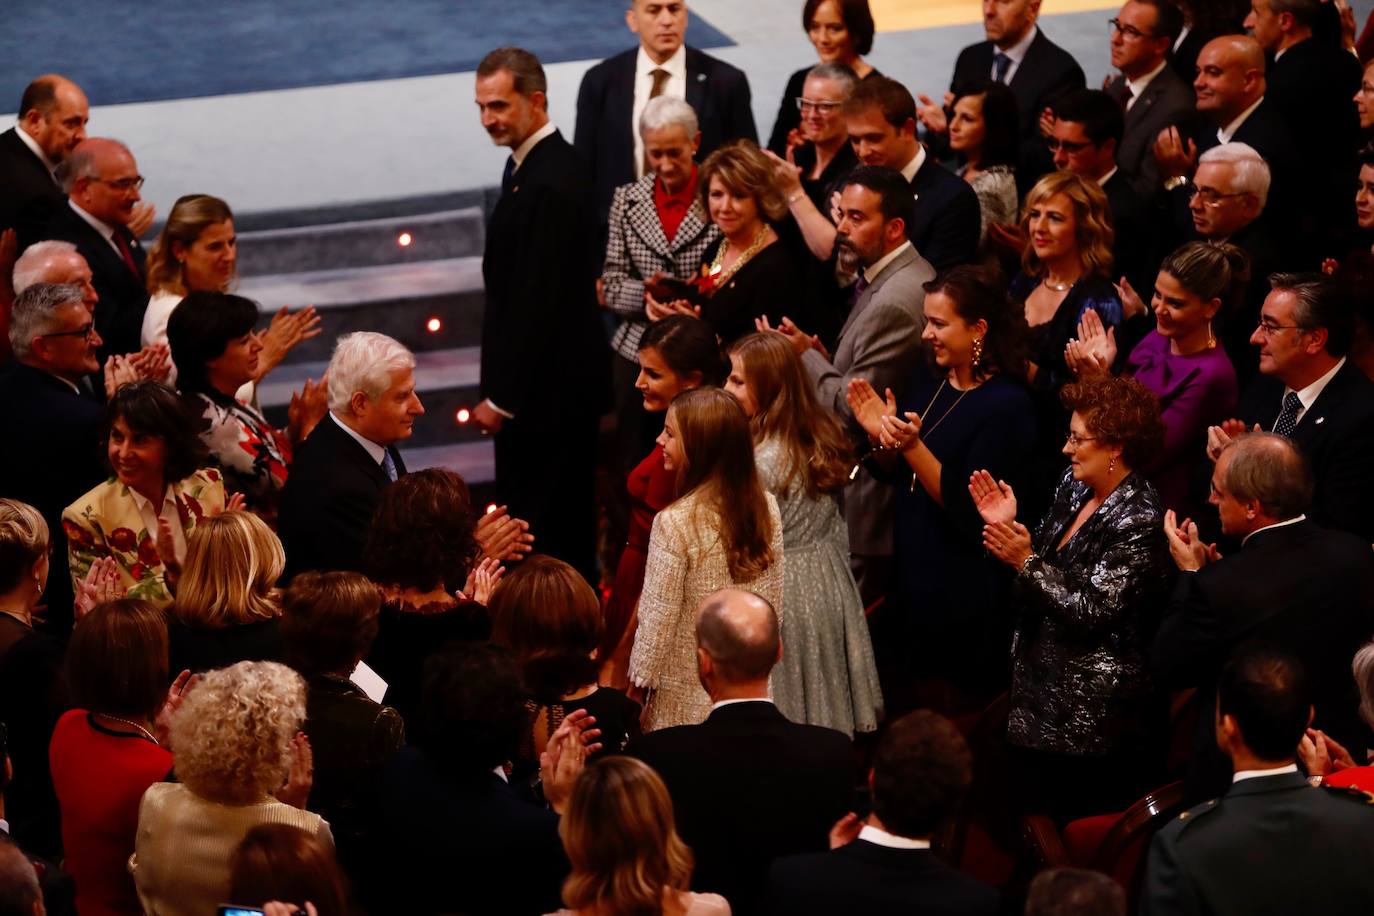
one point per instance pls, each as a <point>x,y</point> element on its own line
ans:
<point>667,289</point>
<point>228,909</point>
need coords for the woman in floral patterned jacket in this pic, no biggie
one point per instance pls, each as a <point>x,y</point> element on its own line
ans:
<point>142,515</point>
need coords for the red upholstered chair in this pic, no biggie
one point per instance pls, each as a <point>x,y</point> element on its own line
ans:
<point>982,839</point>
<point>1111,843</point>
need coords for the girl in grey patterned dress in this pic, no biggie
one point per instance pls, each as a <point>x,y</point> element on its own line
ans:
<point>827,675</point>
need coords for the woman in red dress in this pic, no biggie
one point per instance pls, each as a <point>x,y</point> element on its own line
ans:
<point>676,354</point>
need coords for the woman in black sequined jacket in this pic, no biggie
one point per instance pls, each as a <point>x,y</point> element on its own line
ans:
<point>1084,718</point>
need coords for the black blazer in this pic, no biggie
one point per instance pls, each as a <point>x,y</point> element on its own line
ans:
<point>123,294</point>
<point>328,500</point>
<point>749,785</point>
<point>945,222</point>
<point>28,193</point>
<point>605,103</point>
<point>1301,588</point>
<point>1267,133</point>
<point>770,284</point>
<point>1133,246</point>
<point>1046,72</point>
<point>864,877</point>
<point>1166,102</point>
<point>542,342</point>
<point>1337,435</point>
<point>1271,845</point>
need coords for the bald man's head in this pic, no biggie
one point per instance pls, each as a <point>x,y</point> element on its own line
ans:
<point>54,112</point>
<point>1230,77</point>
<point>102,178</point>
<point>738,630</point>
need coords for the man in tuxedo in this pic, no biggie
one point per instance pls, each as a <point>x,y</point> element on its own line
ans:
<point>55,262</point>
<point>614,92</point>
<point>1308,391</point>
<point>1036,70</point>
<point>47,396</point>
<point>879,342</point>
<point>1085,135</point>
<point>341,468</point>
<point>1292,584</point>
<point>883,865</point>
<point>1311,82</point>
<point>51,122</point>
<point>747,784</point>
<point>1271,844</point>
<point>545,365</point>
<point>943,221</point>
<point>1153,96</point>
<point>102,182</point>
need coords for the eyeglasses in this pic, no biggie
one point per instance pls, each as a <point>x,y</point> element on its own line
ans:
<point>1210,197</point>
<point>804,105</point>
<point>1129,31</point>
<point>87,331</point>
<point>1268,328</point>
<point>1074,441</point>
<point>1067,146</point>
<point>123,184</point>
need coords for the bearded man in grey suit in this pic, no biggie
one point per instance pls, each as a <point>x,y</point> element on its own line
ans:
<point>880,342</point>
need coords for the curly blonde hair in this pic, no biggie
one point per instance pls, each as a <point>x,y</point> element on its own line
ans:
<point>233,562</point>
<point>1092,220</point>
<point>232,734</point>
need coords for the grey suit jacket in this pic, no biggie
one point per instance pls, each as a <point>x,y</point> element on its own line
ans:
<point>880,342</point>
<point>1164,103</point>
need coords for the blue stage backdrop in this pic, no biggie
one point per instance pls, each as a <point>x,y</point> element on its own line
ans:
<point>172,49</point>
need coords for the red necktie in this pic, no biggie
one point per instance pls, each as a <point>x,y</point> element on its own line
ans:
<point>126,253</point>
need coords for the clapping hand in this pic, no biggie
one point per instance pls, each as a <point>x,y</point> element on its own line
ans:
<point>102,583</point>
<point>1131,303</point>
<point>1218,437</point>
<point>286,331</point>
<point>656,311</point>
<point>1047,122</point>
<point>301,776</point>
<point>799,339</point>
<point>786,172</point>
<point>118,373</point>
<point>846,830</point>
<point>899,434</point>
<point>565,756</point>
<point>166,551</point>
<point>1175,153</point>
<point>176,695</point>
<point>1009,542</point>
<point>1186,546</point>
<point>307,408</point>
<point>502,536</point>
<point>1095,349</point>
<point>994,499</point>
<point>141,218</point>
<point>482,579</point>
<point>932,115</point>
<point>868,408</point>
<point>1322,755</point>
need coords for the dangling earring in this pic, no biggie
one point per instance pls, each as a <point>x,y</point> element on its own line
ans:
<point>1211,341</point>
<point>977,351</point>
<point>1111,465</point>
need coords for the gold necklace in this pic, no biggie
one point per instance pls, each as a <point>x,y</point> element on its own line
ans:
<point>719,274</point>
<point>926,432</point>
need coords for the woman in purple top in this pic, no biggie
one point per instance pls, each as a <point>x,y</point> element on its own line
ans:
<point>1179,361</point>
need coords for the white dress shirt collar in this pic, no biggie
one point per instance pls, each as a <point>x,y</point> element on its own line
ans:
<point>675,65</point>
<point>37,150</point>
<point>1308,396</point>
<point>66,381</point>
<point>715,706</point>
<point>911,168</point>
<point>377,452</point>
<point>1139,86</point>
<point>1283,524</point>
<point>1108,177</point>
<point>1229,131</point>
<point>1017,52</point>
<point>872,271</point>
<point>879,837</point>
<point>1256,774</point>
<point>523,150</point>
<point>99,225</point>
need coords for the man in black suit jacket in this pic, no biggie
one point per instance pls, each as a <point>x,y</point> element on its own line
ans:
<point>1153,96</point>
<point>615,91</point>
<point>1036,70</point>
<point>51,122</point>
<point>341,468</point>
<point>1272,844</point>
<point>47,396</point>
<point>945,221</point>
<point>884,866</point>
<point>747,784</point>
<point>1291,584</point>
<point>545,366</point>
<point>102,183</point>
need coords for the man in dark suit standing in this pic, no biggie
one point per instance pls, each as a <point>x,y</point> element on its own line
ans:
<point>1291,584</point>
<point>47,396</point>
<point>1272,844</point>
<point>545,367</point>
<point>1036,70</point>
<point>103,184</point>
<point>1308,391</point>
<point>341,468</point>
<point>747,784</point>
<point>1151,93</point>
<point>883,865</point>
<point>51,122</point>
<point>615,91</point>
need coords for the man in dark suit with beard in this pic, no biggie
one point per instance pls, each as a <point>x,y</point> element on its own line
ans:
<point>614,92</point>
<point>545,367</point>
<point>1292,585</point>
<point>51,122</point>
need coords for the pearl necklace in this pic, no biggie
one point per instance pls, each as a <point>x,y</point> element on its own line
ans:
<point>1057,287</point>
<point>143,731</point>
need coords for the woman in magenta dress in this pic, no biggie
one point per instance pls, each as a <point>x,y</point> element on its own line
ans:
<point>676,354</point>
<point>1180,361</point>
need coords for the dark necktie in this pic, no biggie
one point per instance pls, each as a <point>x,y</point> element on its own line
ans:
<point>859,286</point>
<point>1288,417</point>
<point>507,174</point>
<point>125,253</point>
<point>1123,94</point>
<point>1001,63</point>
<point>661,77</point>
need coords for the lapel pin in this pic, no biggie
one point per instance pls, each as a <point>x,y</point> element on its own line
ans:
<point>701,77</point>
<point>1320,419</point>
